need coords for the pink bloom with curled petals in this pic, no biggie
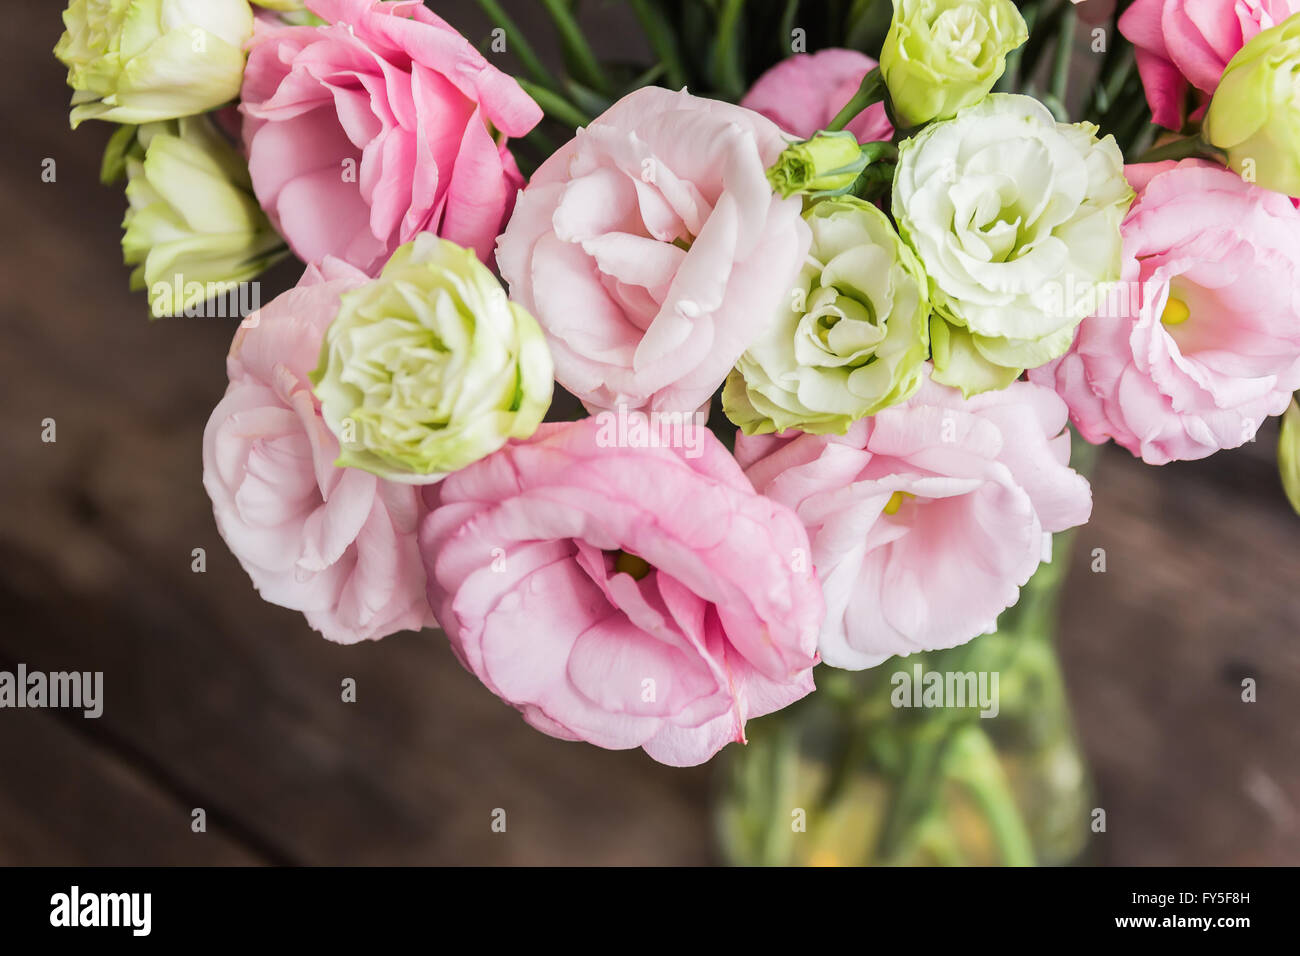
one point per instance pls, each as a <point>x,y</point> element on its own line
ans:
<point>927,518</point>
<point>337,544</point>
<point>1200,342</point>
<point>633,595</point>
<point>652,250</point>
<point>384,124</point>
<point>804,92</point>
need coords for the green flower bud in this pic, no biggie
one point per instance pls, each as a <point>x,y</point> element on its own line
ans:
<point>1255,114</point>
<point>194,228</point>
<point>1288,454</point>
<point>430,367</point>
<point>139,61</point>
<point>852,339</point>
<point>827,163</point>
<point>941,56</point>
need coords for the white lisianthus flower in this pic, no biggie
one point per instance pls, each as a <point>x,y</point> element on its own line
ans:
<point>430,367</point>
<point>194,228</point>
<point>139,61</point>
<point>851,340</point>
<point>1016,219</point>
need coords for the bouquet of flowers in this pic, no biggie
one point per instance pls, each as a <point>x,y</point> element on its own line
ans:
<point>770,364</point>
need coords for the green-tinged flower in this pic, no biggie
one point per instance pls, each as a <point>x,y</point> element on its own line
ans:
<point>853,338</point>
<point>1015,218</point>
<point>1288,454</point>
<point>827,163</point>
<point>941,56</point>
<point>430,367</point>
<point>139,61</point>
<point>194,228</point>
<point>1255,114</point>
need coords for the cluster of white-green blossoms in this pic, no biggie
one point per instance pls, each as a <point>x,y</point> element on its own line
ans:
<point>1015,218</point>
<point>430,367</point>
<point>194,228</point>
<point>853,337</point>
<point>140,61</point>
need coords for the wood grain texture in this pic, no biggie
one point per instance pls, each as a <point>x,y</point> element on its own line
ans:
<point>217,700</point>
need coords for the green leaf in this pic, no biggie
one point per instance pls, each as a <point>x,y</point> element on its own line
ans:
<point>663,40</point>
<point>725,60</point>
<point>577,51</point>
<point>517,45</point>
<point>555,106</point>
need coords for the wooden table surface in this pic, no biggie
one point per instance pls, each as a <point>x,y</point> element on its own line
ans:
<point>217,700</point>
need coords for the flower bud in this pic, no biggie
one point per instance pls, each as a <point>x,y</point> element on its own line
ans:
<point>828,163</point>
<point>139,61</point>
<point>1288,454</point>
<point>1255,114</point>
<point>939,58</point>
<point>193,229</point>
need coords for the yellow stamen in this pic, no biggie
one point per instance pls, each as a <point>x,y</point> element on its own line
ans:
<point>896,501</point>
<point>630,564</point>
<point>1176,312</point>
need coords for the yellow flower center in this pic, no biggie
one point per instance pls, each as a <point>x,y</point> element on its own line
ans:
<point>1176,312</point>
<point>630,564</point>
<point>896,501</point>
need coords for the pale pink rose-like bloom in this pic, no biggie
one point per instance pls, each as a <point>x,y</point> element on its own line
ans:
<point>804,92</point>
<point>652,250</point>
<point>1182,42</point>
<point>364,133</point>
<point>521,551</point>
<point>338,544</point>
<point>1219,259</point>
<point>927,518</point>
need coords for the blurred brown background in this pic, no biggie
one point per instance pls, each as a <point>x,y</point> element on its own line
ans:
<point>217,700</point>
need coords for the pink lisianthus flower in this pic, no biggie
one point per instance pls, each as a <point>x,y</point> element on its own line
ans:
<point>927,518</point>
<point>624,594</point>
<point>804,92</point>
<point>1182,43</point>
<point>652,250</point>
<point>364,133</point>
<point>1200,342</point>
<point>337,544</point>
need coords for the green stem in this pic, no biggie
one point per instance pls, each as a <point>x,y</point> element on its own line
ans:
<point>662,40</point>
<point>1063,56</point>
<point>917,792</point>
<point>1009,82</point>
<point>1114,75</point>
<point>556,107</point>
<point>584,62</point>
<point>872,90</point>
<point>1183,149</point>
<point>974,763</point>
<point>518,45</point>
<point>1042,26</point>
<point>727,74</point>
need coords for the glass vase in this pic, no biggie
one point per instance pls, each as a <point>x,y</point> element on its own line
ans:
<point>893,766</point>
